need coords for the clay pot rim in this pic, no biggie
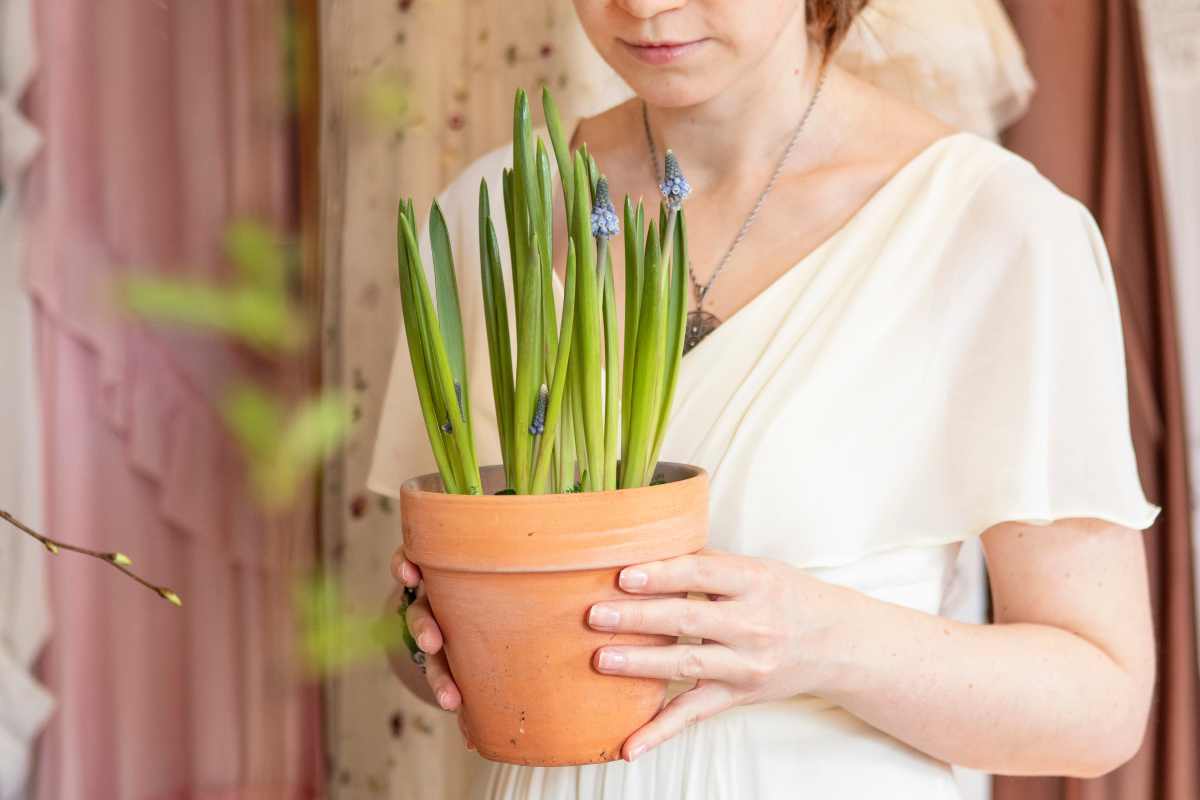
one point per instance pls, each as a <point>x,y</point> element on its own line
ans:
<point>412,487</point>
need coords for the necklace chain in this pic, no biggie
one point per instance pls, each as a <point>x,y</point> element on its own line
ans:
<point>702,291</point>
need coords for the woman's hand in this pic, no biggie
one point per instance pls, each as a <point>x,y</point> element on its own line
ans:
<point>425,630</point>
<point>761,635</point>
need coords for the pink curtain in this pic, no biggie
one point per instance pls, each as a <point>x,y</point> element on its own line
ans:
<point>163,122</point>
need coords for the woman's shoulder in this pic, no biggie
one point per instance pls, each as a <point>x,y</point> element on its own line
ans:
<point>1008,191</point>
<point>1016,228</point>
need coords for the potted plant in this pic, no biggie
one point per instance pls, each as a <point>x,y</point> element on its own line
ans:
<point>513,555</point>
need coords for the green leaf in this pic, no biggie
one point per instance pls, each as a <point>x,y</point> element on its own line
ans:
<point>495,312</point>
<point>449,312</point>
<point>561,145</point>
<point>587,331</point>
<point>648,365</point>
<point>559,385</point>
<point>331,637</point>
<point>258,255</point>
<point>442,378</point>
<point>417,349</point>
<point>546,262</point>
<point>634,245</point>
<point>254,417</point>
<point>317,426</point>
<point>676,330</point>
<point>529,373</point>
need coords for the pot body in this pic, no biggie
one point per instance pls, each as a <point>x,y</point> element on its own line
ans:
<point>510,580</point>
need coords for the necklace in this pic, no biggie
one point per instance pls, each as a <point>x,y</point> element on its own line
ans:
<point>701,323</point>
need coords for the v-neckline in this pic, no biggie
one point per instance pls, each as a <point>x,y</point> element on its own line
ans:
<point>842,230</point>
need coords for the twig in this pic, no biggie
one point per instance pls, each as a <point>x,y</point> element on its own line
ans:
<point>119,561</point>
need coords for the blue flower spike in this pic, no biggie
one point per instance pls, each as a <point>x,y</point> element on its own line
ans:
<point>538,426</point>
<point>674,187</point>
<point>604,216</point>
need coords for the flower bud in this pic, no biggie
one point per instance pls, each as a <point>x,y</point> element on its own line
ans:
<point>538,426</point>
<point>674,187</point>
<point>604,216</point>
<point>169,596</point>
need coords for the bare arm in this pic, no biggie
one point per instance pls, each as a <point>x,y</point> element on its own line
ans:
<point>1061,684</point>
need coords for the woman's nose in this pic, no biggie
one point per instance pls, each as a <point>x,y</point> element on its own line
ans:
<point>647,9</point>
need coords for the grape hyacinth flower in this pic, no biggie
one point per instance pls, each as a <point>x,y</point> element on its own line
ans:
<point>538,426</point>
<point>604,216</point>
<point>674,187</point>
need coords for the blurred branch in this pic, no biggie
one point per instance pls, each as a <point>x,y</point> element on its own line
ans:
<point>281,450</point>
<point>256,307</point>
<point>119,561</point>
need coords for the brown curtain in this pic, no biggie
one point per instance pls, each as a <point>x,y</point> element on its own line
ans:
<point>1090,131</point>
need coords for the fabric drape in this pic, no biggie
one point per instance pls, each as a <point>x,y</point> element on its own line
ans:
<point>163,123</point>
<point>24,614</point>
<point>1090,130</point>
<point>1172,35</point>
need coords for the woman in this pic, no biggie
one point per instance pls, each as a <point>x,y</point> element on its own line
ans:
<point>914,341</point>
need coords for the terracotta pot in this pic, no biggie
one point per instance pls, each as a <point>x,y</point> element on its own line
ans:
<point>510,580</point>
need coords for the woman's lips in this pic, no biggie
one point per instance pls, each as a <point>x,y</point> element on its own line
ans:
<point>662,53</point>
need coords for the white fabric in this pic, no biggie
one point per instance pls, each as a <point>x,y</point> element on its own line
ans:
<point>950,359</point>
<point>24,615</point>
<point>960,60</point>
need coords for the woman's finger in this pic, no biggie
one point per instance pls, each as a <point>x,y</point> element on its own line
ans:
<point>461,716</point>
<point>437,673</point>
<point>686,709</point>
<point>709,572</point>
<point>670,617</point>
<point>423,626</point>
<point>404,571</point>
<point>677,662</point>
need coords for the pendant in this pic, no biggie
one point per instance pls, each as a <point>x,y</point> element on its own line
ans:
<point>699,324</point>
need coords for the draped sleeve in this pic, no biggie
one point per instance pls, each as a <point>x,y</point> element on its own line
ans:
<point>950,359</point>
<point>1037,407</point>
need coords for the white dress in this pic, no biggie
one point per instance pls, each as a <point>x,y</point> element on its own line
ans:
<point>949,359</point>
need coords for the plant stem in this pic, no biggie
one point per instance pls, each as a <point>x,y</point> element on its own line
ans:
<point>112,559</point>
<point>559,378</point>
<point>612,377</point>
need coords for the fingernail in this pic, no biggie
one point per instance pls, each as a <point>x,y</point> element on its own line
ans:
<point>423,642</point>
<point>603,617</point>
<point>443,698</point>
<point>611,659</point>
<point>637,751</point>
<point>632,579</point>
